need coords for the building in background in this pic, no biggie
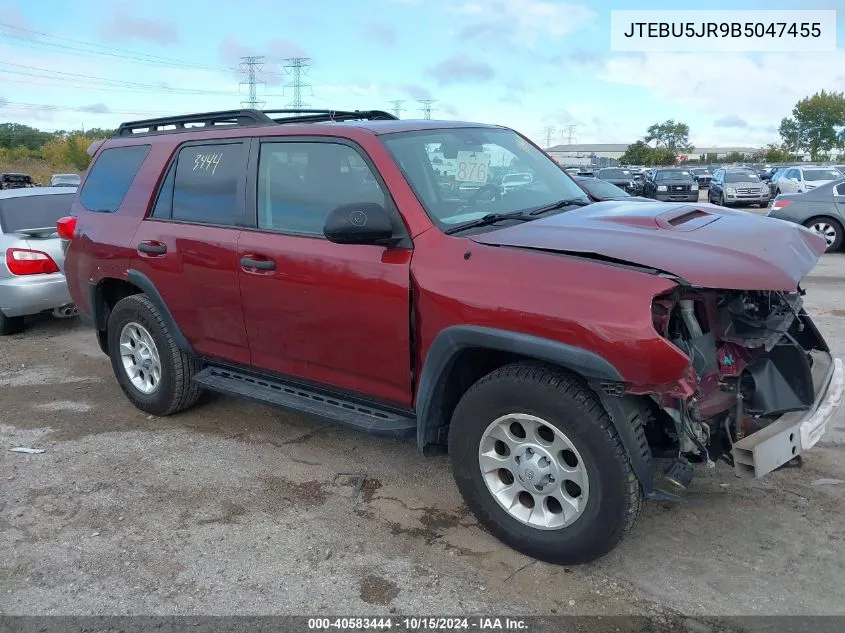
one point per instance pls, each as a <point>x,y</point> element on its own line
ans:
<point>608,154</point>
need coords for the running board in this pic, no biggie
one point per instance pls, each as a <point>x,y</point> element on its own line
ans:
<point>365,417</point>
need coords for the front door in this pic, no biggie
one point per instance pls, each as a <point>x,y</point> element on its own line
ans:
<point>188,247</point>
<point>331,314</point>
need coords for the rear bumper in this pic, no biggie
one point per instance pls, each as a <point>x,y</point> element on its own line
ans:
<point>793,433</point>
<point>31,294</point>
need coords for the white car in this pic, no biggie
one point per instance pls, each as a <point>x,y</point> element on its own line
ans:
<point>801,179</point>
<point>512,181</point>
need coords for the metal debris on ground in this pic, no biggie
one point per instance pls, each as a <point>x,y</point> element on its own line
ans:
<point>26,450</point>
<point>827,482</point>
<point>356,479</point>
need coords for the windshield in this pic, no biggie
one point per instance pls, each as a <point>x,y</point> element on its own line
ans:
<point>698,171</point>
<point>673,175</point>
<point>509,178</point>
<point>601,189</point>
<point>741,176</point>
<point>68,178</point>
<point>615,174</point>
<point>822,174</point>
<point>454,172</point>
<point>33,212</point>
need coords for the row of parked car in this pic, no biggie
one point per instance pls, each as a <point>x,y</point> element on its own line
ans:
<point>9,180</point>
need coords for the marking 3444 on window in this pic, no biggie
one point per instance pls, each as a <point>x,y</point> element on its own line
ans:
<point>204,162</point>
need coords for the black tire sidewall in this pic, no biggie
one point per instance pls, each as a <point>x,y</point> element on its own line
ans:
<point>602,523</point>
<point>132,310</point>
<point>837,243</point>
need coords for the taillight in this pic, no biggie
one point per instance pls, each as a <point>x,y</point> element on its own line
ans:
<point>21,261</point>
<point>780,204</point>
<point>66,227</point>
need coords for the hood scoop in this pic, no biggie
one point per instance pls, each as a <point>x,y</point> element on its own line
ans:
<point>685,219</point>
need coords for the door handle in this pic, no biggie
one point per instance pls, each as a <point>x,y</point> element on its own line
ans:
<point>260,264</point>
<point>153,248</point>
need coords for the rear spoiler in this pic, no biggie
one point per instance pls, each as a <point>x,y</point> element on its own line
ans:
<point>40,233</point>
<point>94,146</point>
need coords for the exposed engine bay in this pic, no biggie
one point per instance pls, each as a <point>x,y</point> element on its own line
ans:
<point>756,356</point>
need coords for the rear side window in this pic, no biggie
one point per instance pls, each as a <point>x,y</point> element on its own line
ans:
<point>110,177</point>
<point>207,184</point>
<point>33,212</point>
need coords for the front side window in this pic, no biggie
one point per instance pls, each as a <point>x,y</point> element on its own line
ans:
<point>111,176</point>
<point>459,174</point>
<point>206,183</point>
<point>300,183</point>
<point>839,190</point>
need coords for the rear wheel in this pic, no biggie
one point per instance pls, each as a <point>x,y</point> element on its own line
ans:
<point>11,325</point>
<point>153,372</point>
<point>829,229</point>
<point>538,461</point>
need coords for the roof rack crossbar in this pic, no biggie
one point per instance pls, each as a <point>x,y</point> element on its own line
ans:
<point>238,118</point>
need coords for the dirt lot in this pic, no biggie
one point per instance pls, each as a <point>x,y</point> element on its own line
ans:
<point>234,508</point>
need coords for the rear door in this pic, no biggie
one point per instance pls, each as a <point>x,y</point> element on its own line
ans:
<point>188,246</point>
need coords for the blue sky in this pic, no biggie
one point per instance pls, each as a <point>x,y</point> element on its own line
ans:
<point>527,64</point>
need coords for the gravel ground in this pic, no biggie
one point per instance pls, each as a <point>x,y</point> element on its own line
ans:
<point>235,508</point>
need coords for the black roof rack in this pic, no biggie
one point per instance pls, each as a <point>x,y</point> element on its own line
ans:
<point>247,117</point>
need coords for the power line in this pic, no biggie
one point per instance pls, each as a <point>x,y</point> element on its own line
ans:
<point>567,134</point>
<point>250,65</point>
<point>548,132</point>
<point>426,107</point>
<point>397,107</point>
<point>297,67</point>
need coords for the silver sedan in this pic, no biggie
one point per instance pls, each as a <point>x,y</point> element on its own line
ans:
<point>31,277</point>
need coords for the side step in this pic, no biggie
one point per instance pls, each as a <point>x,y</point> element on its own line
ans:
<point>365,417</point>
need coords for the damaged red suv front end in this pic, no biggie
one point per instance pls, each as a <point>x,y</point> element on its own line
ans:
<point>758,382</point>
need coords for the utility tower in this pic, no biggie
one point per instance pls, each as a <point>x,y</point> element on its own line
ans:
<point>567,135</point>
<point>549,132</point>
<point>297,67</point>
<point>397,107</point>
<point>251,65</point>
<point>426,107</point>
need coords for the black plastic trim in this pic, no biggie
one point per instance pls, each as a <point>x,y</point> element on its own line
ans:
<point>452,340</point>
<point>364,416</point>
<point>144,283</point>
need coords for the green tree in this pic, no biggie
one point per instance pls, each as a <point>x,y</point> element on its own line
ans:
<point>637,154</point>
<point>670,135</point>
<point>817,124</point>
<point>735,157</point>
<point>775,154</point>
<point>17,135</point>
<point>663,156</point>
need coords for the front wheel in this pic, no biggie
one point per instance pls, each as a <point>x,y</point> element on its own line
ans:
<point>538,461</point>
<point>829,229</point>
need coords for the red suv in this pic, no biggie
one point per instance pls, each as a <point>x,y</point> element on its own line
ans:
<point>376,273</point>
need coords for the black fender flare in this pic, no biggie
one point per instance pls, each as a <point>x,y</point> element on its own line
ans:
<point>596,370</point>
<point>139,279</point>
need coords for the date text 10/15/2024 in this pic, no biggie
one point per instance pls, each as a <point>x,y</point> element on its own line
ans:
<point>418,624</point>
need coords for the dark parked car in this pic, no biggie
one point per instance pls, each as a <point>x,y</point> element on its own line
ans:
<point>671,185</point>
<point>622,178</point>
<point>308,260</point>
<point>602,190</point>
<point>702,176</point>
<point>15,181</point>
<point>821,210</point>
<point>737,187</point>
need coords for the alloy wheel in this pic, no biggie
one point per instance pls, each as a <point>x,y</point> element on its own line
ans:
<point>140,358</point>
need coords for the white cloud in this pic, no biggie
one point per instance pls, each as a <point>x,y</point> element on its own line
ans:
<point>761,90</point>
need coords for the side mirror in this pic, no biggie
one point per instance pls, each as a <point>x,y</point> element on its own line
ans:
<point>359,223</point>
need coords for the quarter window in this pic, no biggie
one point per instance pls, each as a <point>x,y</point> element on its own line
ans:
<point>300,183</point>
<point>111,176</point>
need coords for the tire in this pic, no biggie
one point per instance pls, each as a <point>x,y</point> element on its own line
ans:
<point>828,228</point>
<point>174,390</point>
<point>564,403</point>
<point>722,202</point>
<point>11,325</point>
